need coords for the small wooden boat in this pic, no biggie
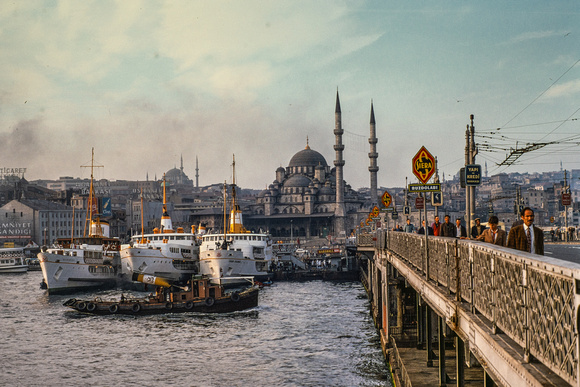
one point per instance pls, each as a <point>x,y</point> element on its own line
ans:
<point>198,296</point>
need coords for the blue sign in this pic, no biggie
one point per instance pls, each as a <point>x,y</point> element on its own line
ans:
<point>106,209</point>
<point>436,199</point>
<point>472,174</point>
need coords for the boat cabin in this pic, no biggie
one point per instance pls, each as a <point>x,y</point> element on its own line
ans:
<point>197,288</point>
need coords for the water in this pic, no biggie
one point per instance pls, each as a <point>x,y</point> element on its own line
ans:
<point>302,334</point>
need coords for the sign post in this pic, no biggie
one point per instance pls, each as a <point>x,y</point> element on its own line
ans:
<point>424,168</point>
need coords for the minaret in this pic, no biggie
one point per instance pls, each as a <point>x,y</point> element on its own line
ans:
<point>373,155</point>
<point>181,179</point>
<point>339,210</point>
<point>196,173</point>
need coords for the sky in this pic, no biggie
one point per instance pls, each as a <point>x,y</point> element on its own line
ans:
<point>146,83</point>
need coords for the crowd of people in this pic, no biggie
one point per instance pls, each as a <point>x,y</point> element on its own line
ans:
<point>523,235</point>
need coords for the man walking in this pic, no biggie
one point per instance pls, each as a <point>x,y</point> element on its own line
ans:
<point>527,237</point>
<point>493,234</point>
<point>447,228</point>
<point>477,229</point>
<point>409,226</point>
<point>435,226</point>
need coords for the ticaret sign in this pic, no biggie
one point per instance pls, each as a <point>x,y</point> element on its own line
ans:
<point>423,165</point>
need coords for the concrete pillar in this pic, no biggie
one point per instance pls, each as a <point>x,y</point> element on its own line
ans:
<point>420,323</point>
<point>400,306</point>
<point>442,373</point>
<point>429,338</point>
<point>460,361</point>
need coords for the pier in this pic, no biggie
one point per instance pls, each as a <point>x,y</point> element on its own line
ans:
<point>459,312</point>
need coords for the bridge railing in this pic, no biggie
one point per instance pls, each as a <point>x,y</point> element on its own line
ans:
<point>533,299</point>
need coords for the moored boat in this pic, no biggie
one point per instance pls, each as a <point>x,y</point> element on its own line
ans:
<point>167,253</point>
<point>85,262</point>
<point>230,257</point>
<point>198,296</point>
<point>12,260</point>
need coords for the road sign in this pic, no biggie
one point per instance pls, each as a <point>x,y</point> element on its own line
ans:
<point>566,199</point>
<point>386,199</point>
<point>375,211</point>
<point>394,215</point>
<point>419,203</point>
<point>423,165</point>
<point>434,187</point>
<point>406,210</point>
<point>473,174</point>
<point>436,199</point>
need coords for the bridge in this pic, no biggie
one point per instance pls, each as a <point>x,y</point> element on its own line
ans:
<point>508,318</point>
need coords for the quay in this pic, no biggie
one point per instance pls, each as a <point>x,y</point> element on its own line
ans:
<point>460,312</point>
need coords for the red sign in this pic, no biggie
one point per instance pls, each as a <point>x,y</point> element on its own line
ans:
<point>423,165</point>
<point>419,203</point>
<point>566,199</point>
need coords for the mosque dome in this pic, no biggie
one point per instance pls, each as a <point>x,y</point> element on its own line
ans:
<point>297,181</point>
<point>307,158</point>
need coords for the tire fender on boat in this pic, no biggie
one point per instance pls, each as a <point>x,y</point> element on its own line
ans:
<point>91,307</point>
<point>82,305</point>
<point>169,305</point>
<point>209,301</point>
<point>136,308</point>
<point>114,308</point>
<point>235,297</point>
<point>189,305</point>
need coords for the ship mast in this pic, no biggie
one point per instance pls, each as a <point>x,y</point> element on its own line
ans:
<point>91,199</point>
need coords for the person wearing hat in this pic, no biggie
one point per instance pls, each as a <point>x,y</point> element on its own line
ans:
<point>477,229</point>
<point>493,234</point>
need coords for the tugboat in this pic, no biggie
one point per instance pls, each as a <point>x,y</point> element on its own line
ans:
<point>198,296</point>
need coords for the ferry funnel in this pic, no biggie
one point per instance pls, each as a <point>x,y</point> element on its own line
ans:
<point>151,280</point>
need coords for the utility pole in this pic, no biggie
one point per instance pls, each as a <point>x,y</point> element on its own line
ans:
<point>566,190</point>
<point>472,153</point>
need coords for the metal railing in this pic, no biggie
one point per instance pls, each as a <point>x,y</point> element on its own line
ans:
<point>532,299</point>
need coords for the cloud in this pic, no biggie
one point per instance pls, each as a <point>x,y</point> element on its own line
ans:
<point>564,90</point>
<point>534,35</point>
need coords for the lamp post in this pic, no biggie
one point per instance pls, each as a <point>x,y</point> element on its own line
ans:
<point>291,232</point>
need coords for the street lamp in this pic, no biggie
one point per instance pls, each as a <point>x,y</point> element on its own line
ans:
<point>291,232</point>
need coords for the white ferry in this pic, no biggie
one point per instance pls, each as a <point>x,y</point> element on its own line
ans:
<point>12,260</point>
<point>81,263</point>
<point>166,253</point>
<point>255,251</point>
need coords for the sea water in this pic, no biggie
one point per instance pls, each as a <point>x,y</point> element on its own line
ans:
<point>301,334</point>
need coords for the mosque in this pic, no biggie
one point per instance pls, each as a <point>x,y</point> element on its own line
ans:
<point>309,198</point>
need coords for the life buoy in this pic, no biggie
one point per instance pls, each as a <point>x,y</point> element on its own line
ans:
<point>114,308</point>
<point>169,305</point>
<point>235,297</point>
<point>91,307</point>
<point>209,301</point>
<point>82,305</point>
<point>189,305</point>
<point>136,308</point>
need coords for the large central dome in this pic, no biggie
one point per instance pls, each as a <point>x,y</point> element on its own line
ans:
<point>307,158</point>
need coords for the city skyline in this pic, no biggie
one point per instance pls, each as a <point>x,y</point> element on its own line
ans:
<point>145,83</point>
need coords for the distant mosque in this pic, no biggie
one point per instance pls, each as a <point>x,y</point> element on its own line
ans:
<point>309,198</point>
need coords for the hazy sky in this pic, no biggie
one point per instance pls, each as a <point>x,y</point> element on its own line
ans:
<point>146,82</point>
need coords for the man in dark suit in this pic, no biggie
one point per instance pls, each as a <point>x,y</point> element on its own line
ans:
<point>447,229</point>
<point>527,237</point>
<point>477,229</point>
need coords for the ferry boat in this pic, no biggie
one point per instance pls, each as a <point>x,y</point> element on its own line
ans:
<point>198,297</point>
<point>82,263</point>
<point>167,253</point>
<point>12,260</point>
<point>218,257</point>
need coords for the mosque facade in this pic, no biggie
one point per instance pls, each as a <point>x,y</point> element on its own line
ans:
<point>309,198</point>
